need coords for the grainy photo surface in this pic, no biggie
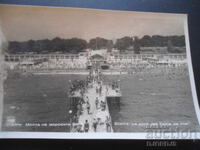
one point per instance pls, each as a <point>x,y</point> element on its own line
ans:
<point>83,70</point>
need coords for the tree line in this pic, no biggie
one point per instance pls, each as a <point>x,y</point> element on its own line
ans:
<point>75,45</point>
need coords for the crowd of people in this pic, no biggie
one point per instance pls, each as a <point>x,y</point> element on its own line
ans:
<point>67,64</point>
<point>79,86</point>
<point>120,65</point>
<point>54,64</point>
<point>94,80</point>
<point>140,65</point>
<point>169,72</point>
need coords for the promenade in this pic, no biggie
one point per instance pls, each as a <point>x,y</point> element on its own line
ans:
<point>92,109</point>
<point>96,112</point>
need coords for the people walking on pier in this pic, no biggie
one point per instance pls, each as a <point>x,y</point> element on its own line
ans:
<point>88,107</point>
<point>95,123</point>
<point>86,126</point>
<point>87,98</point>
<point>81,101</point>
<point>75,118</point>
<point>77,128</point>
<point>97,90</point>
<point>97,102</point>
<point>103,105</point>
<point>107,89</point>
<point>92,108</point>
<point>108,124</point>
<point>100,90</point>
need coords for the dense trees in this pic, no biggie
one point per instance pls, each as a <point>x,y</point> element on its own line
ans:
<point>124,43</point>
<point>171,48</point>
<point>160,41</point>
<point>128,43</point>
<point>76,45</point>
<point>73,45</point>
<point>100,43</point>
<point>136,44</point>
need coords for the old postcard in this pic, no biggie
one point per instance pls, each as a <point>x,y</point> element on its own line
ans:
<point>86,73</point>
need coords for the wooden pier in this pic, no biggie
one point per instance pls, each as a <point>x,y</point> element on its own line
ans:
<point>96,114</point>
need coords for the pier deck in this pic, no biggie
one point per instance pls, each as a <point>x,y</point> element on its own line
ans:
<point>96,112</point>
<point>93,106</point>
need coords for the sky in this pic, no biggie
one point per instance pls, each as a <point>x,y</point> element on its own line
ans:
<point>21,23</point>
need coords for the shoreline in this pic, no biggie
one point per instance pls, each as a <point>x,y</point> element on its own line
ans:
<point>73,72</point>
<point>105,72</point>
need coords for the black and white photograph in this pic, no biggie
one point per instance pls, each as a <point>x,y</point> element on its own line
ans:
<point>73,70</point>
